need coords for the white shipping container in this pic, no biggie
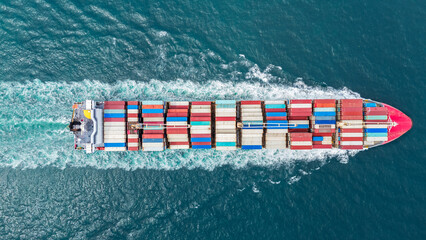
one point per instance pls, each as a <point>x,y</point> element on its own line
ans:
<point>153,149</point>
<point>300,143</point>
<point>113,132</point>
<point>180,103</point>
<point>277,130</point>
<point>132,120</point>
<point>251,114</point>
<point>179,146</point>
<point>251,141</point>
<point>358,122</point>
<point>351,134</point>
<point>275,146</point>
<point>114,140</point>
<point>152,144</point>
<point>177,136</point>
<point>208,127</point>
<point>132,110</point>
<point>328,109</point>
<point>226,114</point>
<point>200,131</point>
<point>351,126</point>
<point>324,126</point>
<point>200,106</point>
<point>225,148</point>
<point>274,102</point>
<point>299,121</point>
<point>133,136</point>
<point>177,123</point>
<point>114,136</point>
<point>326,142</point>
<point>114,124</point>
<point>275,135</point>
<point>154,119</point>
<point>252,119</point>
<point>376,139</point>
<point>251,110</point>
<point>375,126</point>
<point>200,110</point>
<point>115,149</point>
<point>278,139</point>
<point>221,110</point>
<point>250,106</point>
<point>300,105</point>
<point>251,135</point>
<point>230,138</point>
<point>226,131</point>
<point>133,144</point>
<point>346,143</point>
<point>252,131</point>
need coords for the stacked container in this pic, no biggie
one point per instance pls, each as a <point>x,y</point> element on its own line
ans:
<point>201,116</point>
<point>115,125</point>
<point>132,119</point>
<point>276,124</point>
<point>323,123</point>
<point>153,126</point>
<point>375,118</point>
<point>252,119</point>
<point>177,125</point>
<point>299,112</point>
<point>226,120</point>
<point>351,129</point>
<point>300,141</point>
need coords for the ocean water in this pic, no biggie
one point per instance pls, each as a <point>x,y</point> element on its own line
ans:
<point>53,53</point>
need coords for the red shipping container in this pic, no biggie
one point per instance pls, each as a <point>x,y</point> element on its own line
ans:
<point>149,123</point>
<point>201,143</point>
<point>300,135</point>
<point>152,136</point>
<point>325,101</point>
<point>152,131</point>
<point>250,102</point>
<point>179,107</point>
<point>322,146</point>
<point>351,101</point>
<point>376,113</point>
<point>177,114</point>
<point>351,109</point>
<point>301,147</point>
<point>144,115</point>
<point>114,103</point>
<point>114,107</point>
<point>326,134</point>
<point>297,117</point>
<point>375,121</point>
<point>201,114</point>
<point>353,117</point>
<point>351,147</point>
<point>226,118</point>
<point>152,106</point>
<point>351,130</point>
<point>299,110</point>
<point>351,138</point>
<point>201,119</point>
<point>177,130</point>
<point>114,119</point>
<point>201,135</point>
<point>324,105</point>
<point>133,149</point>
<point>179,143</point>
<point>325,130</point>
<point>375,109</point>
<point>201,103</point>
<point>132,115</point>
<point>132,140</point>
<point>174,110</point>
<point>132,102</point>
<point>300,114</point>
<point>275,110</point>
<point>276,118</point>
<point>304,101</point>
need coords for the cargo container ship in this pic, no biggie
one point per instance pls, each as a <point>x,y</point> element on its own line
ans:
<point>300,124</point>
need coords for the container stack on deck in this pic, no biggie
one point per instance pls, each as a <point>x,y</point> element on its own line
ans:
<point>323,123</point>
<point>132,119</point>
<point>376,128</point>
<point>276,124</point>
<point>201,131</point>
<point>115,125</point>
<point>226,124</point>
<point>299,111</point>
<point>177,125</point>
<point>153,129</point>
<point>300,141</point>
<point>252,119</point>
<point>351,130</point>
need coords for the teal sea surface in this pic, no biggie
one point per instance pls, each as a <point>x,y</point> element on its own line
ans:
<point>53,53</point>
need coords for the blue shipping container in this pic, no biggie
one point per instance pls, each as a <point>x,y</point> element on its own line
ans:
<point>114,144</point>
<point>114,115</point>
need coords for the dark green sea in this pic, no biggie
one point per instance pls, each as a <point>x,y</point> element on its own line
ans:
<point>53,53</point>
